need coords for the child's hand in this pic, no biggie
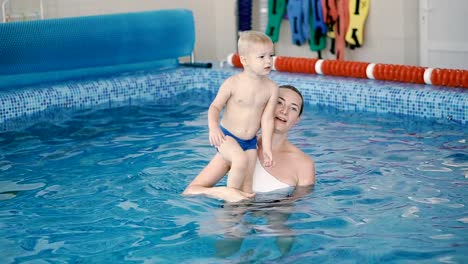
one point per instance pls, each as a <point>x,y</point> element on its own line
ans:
<point>268,159</point>
<point>216,137</point>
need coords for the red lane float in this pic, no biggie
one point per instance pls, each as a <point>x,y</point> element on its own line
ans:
<point>344,68</point>
<point>399,73</point>
<point>234,60</point>
<point>449,77</point>
<point>378,71</point>
<point>292,64</point>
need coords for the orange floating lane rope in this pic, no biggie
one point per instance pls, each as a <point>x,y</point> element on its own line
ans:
<point>279,63</point>
<point>236,61</point>
<point>345,68</point>
<point>378,71</point>
<point>450,77</point>
<point>399,73</point>
<point>295,64</point>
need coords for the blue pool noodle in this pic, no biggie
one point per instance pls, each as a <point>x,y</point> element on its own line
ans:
<point>40,51</point>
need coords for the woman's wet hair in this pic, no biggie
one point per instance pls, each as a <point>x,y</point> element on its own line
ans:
<point>292,88</point>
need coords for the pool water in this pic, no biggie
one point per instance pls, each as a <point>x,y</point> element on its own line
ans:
<point>104,186</point>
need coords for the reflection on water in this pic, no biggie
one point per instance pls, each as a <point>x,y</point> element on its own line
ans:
<point>105,186</point>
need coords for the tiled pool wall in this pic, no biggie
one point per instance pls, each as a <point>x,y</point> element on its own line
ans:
<point>381,96</point>
<point>20,107</point>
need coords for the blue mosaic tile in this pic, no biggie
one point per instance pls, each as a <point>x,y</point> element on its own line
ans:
<point>381,97</point>
<point>347,94</point>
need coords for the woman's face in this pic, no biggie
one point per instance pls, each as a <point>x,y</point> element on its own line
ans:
<point>287,110</point>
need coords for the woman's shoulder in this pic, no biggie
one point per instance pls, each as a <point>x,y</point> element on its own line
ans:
<point>298,155</point>
<point>303,164</point>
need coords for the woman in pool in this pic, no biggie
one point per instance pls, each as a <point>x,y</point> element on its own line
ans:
<point>293,169</point>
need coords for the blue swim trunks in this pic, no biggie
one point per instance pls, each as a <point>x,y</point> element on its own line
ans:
<point>245,144</point>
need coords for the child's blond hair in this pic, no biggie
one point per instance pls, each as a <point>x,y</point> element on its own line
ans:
<point>246,38</point>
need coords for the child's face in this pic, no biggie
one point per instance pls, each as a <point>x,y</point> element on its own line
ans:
<point>260,58</point>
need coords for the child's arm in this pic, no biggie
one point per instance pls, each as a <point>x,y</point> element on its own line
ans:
<point>268,124</point>
<point>224,93</point>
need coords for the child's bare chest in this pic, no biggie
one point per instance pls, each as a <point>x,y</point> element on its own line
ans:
<point>250,96</point>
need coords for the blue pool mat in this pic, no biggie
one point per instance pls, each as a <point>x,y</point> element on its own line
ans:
<point>57,49</point>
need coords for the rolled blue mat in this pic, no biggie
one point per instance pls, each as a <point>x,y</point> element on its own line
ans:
<point>57,49</point>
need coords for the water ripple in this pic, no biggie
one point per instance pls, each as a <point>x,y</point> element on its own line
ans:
<point>431,200</point>
<point>108,186</point>
<point>10,186</point>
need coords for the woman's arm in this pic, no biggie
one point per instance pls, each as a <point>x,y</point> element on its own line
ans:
<point>209,176</point>
<point>221,192</point>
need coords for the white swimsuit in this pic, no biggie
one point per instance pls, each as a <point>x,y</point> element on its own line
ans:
<point>265,182</point>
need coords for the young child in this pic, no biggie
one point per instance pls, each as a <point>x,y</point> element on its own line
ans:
<point>248,100</point>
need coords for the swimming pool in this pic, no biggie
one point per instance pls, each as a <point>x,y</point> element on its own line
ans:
<point>94,171</point>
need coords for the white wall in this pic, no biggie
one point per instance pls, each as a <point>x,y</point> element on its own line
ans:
<point>391,34</point>
<point>443,38</point>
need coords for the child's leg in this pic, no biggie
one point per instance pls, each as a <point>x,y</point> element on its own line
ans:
<point>231,151</point>
<point>252,160</point>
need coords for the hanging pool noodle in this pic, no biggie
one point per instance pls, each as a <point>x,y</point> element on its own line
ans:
<point>263,15</point>
<point>244,9</point>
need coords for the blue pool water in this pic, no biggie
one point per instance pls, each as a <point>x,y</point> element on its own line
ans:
<point>104,186</point>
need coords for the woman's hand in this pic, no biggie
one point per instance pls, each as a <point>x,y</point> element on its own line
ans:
<point>230,194</point>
